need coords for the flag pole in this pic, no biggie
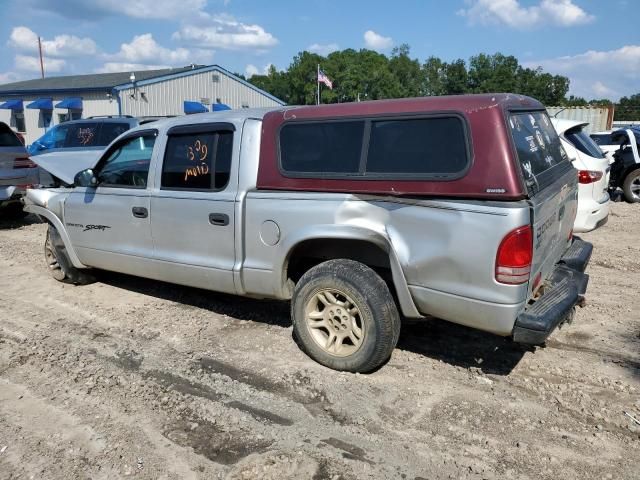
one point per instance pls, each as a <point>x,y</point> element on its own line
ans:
<point>318,85</point>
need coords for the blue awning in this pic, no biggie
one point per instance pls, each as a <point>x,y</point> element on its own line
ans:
<point>72,103</point>
<point>13,104</point>
<point>219,107</point>
<point>42,104</point>
<point>194,107</point>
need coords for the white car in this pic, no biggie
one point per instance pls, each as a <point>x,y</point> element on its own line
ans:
<point>593,174</point>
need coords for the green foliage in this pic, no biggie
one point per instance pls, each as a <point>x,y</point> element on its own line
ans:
<point>368,75</point>
<point>628,108</point>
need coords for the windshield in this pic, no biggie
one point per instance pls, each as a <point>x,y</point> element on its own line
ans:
<point>53,138</point>
<point>583,142</point>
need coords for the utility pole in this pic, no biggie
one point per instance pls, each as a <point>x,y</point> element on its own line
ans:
<point>41,60</point>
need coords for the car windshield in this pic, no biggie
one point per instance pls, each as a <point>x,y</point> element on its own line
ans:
<point>583,142</point>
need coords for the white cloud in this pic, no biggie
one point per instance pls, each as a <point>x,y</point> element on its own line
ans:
<point>28,63</point>
<point>251,70</point>
<point>325,49</point>
<point>375,41</point>
<point>563,13</point>
<point>144,49</point>
<point>26,40</point>
<point>113,67</point>
<point>224,31</point>
<point>610,74</point>
<point>94,9</point>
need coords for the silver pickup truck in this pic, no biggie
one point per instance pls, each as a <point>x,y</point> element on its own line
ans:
<point>360,214</point>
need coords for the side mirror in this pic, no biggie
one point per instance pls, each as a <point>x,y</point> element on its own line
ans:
<point>85,178</point>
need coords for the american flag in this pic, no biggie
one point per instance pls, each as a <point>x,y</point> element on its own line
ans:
<point>322,78</point>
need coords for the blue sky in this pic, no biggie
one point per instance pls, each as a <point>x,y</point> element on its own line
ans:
<point>595,43</point>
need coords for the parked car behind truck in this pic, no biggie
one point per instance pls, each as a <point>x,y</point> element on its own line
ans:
<point>456,207</point>
<point>17,171</point>
<point>593,174</point>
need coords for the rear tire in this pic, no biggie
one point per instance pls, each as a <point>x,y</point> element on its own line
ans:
<point>58,262</point>
<point>344,316</point>
<point>631,186</point>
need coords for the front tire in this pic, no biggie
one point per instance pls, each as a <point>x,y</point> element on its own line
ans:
<point>631,186</point>
<point>344,316</point>
<point>58,262</point>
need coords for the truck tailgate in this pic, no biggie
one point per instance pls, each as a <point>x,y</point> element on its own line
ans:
<point>553,213</point>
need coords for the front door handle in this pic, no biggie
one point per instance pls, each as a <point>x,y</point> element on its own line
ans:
<point>219,219</point>
<point>140,212</point>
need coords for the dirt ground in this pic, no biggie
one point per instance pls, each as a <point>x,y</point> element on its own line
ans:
<point>134,378</point>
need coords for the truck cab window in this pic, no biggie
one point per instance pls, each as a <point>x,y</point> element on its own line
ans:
<point>127,163</point>
<point>197,161</point>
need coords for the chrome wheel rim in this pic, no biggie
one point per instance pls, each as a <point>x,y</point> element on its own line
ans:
<point>635,188</point>
<point>334,322</point>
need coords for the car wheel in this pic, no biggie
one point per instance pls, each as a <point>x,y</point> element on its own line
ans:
<point>58,262</point>
<point>631,186</point>
<point>344,316</point>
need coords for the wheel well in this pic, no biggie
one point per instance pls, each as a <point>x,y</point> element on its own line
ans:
<point>310,253</point>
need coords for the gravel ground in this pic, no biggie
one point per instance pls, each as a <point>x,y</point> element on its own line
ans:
<point>134,378</point>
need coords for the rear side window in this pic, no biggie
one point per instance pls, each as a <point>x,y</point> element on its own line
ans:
<point>431,147</point>
<point>110,131</point>
<point>426,146</point>
<point>537,143</point>
<point>197,161</point>
<point>322,147</point>
<point>583,142</point>
<point>8,138</point>
<point>82,135</point>
<point>602,139</point>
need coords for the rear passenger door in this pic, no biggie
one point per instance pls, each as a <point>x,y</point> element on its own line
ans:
<point>192,208</point>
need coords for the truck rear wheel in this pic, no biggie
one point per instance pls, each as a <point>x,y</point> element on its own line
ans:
<point>344,316</point>
<point>60,266</point>
<point>631,186</point>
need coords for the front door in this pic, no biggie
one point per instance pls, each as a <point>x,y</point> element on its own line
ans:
<point>109,225</point>
<point>192,210</point>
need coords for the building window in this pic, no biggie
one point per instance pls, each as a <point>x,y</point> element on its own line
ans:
<point>18,121</point>
<point>215,78</point>
<point>70,115</point>
<point>245,104</point>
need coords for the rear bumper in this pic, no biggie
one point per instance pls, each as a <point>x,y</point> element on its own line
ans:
<point>11,193</point>
<point>591,215</point>
<point>566,287</point>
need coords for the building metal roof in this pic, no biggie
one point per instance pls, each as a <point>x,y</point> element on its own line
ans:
<point>111,81</point>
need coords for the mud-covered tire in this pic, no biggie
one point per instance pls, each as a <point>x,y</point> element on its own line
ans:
<point>631,186</point>
<point>349,301</point>
<point>58,262</point>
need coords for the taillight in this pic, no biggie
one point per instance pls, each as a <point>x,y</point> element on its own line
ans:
<point>513,261</point>
<point>23,163</point>
<point>589,176</point>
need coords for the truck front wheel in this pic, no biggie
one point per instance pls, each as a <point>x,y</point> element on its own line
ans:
<point>60,266</point>
<point>344,316</point>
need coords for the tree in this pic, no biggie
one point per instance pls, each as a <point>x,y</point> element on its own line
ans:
<point>456,78</point>
<point>493,73</point>
<point>628,108</point>
<point>433,76</point>
<point>407,72</point>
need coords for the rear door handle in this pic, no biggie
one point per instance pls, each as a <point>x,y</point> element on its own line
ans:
<point>219,219</point>
<point>140,212</point>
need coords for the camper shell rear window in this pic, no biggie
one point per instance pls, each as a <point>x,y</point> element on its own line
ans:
<point>426,147</point>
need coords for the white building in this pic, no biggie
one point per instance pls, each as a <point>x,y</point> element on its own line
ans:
<point>32,106</point>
